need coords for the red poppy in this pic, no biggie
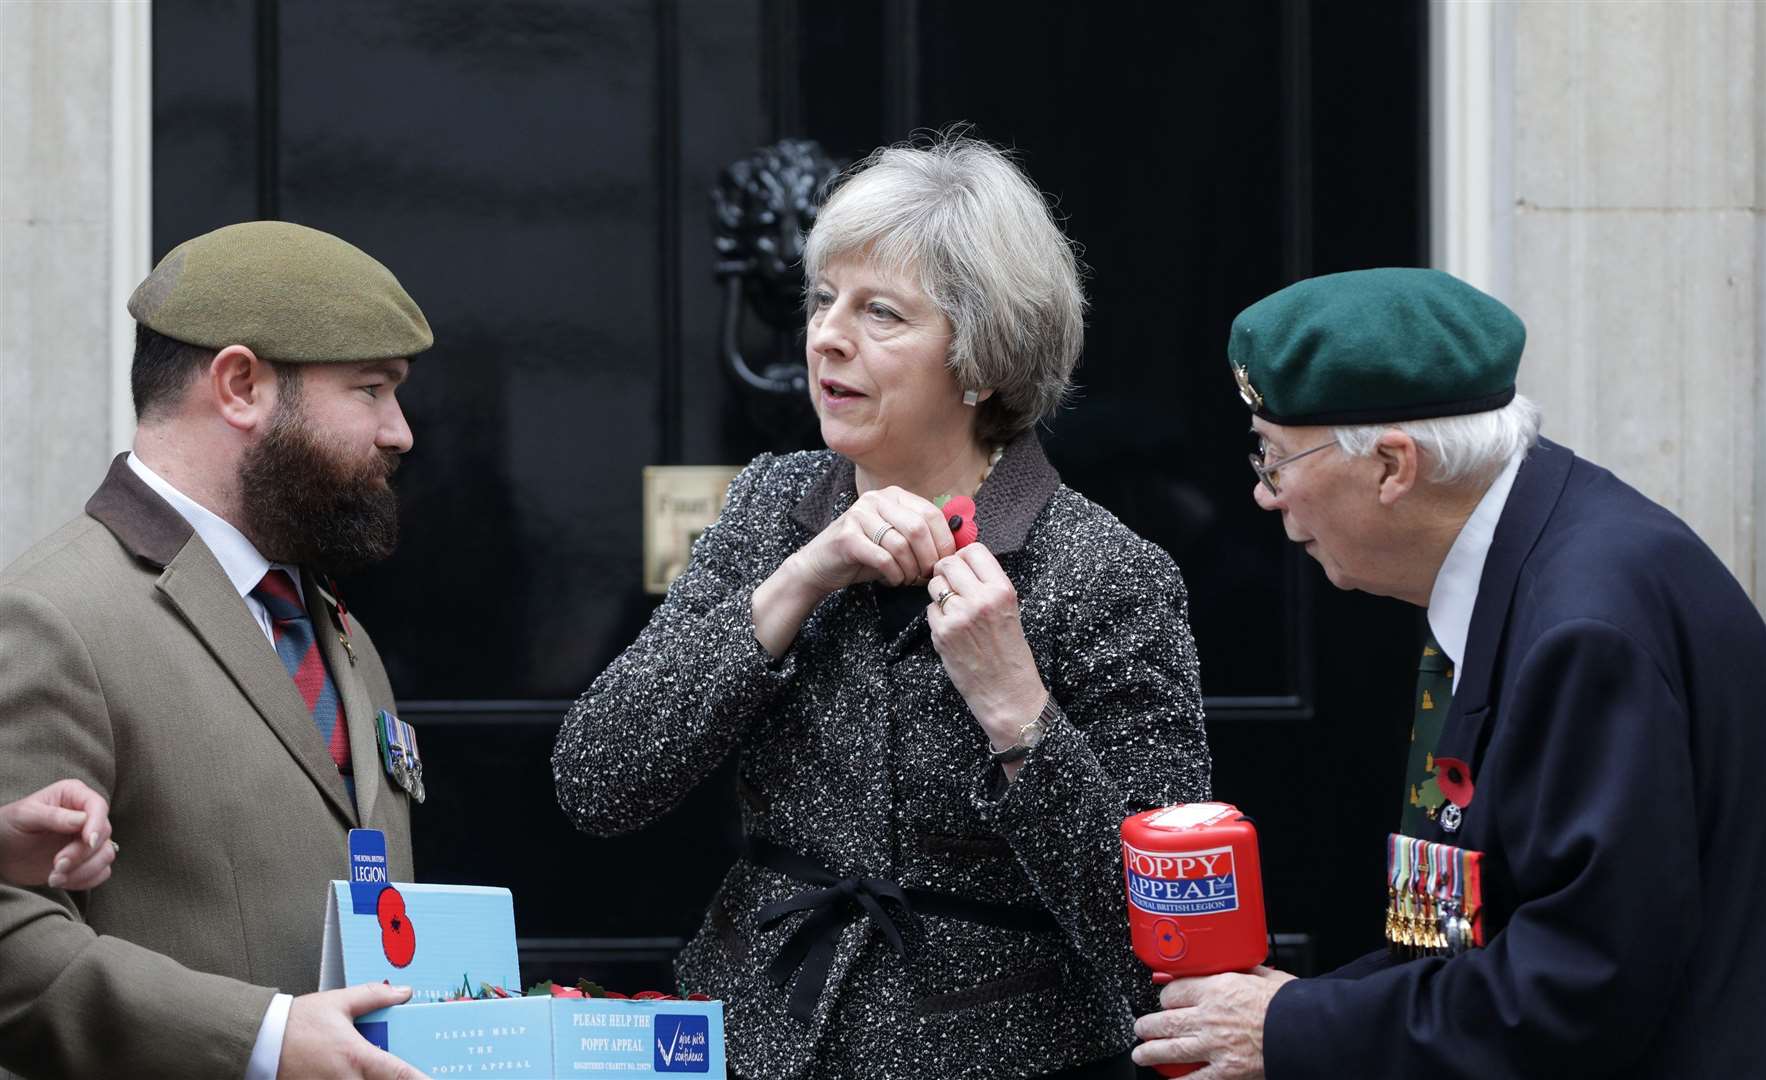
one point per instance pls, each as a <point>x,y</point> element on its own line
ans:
<point>1454,777</point>
<point>959,513</point>
<point>398,938</point>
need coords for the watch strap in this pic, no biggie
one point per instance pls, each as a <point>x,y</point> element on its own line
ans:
<point>1021,750</point>
<point>1009,754</point>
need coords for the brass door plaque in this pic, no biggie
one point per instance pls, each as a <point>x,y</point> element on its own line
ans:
<point>680,501</point>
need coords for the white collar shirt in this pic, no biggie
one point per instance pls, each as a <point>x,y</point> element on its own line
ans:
<point>240,561</point>
<point>1455,592</point>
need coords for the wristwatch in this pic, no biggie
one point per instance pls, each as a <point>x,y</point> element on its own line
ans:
<point>1028,736</point>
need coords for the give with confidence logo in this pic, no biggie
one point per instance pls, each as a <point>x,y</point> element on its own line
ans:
<point>1181,882</point>
<point>683,1044</point>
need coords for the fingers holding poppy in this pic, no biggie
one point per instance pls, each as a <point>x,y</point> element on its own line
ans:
<point>921,524</point>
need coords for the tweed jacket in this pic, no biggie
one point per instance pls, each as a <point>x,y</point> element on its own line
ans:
<point>128,661</point>
<point>858,754</point>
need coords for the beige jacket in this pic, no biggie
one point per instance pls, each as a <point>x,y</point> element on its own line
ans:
<point>128,660</point>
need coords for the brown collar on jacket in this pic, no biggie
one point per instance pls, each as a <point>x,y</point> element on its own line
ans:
<point>1005,508</point>
<point>141,521</point>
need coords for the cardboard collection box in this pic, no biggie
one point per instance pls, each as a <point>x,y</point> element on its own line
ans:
<point>554,1037</point>
<point>440,938</point>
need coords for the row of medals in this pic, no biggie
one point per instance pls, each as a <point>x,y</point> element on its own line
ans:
<point>1418,925</point>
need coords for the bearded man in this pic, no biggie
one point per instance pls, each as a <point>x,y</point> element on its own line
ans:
<point>180,649</point>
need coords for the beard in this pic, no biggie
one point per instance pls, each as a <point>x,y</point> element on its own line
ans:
<point>306,502</point>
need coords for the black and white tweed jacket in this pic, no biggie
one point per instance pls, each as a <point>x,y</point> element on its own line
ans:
<point>858,754</point>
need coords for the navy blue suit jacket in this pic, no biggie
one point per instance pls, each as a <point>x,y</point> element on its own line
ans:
<point>1612,704</point>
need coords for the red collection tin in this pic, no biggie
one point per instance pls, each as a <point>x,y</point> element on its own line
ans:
<point>1195,892</point>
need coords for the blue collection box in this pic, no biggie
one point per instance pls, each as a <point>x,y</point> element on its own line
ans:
<point>438,938</point>
<point>554,1037</point>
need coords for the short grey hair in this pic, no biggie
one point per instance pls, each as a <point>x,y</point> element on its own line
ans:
<point>957,216</point>
<point>1460,448</point>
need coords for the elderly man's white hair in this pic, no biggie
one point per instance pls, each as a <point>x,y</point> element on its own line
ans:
<point>1459,448</point>
<point>958,217</point>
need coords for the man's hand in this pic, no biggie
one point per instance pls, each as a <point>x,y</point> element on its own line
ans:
<point>1217,1019</point>
<point>59,836</point>
<point>321,1040</point>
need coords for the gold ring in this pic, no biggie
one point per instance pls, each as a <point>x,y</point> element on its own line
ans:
<point>940,600</point>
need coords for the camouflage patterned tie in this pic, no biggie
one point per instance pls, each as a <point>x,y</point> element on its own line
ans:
<point>1434,692</point>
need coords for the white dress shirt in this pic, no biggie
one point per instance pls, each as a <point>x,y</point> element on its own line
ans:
<point>244,567</point>
<point>1456,584</point>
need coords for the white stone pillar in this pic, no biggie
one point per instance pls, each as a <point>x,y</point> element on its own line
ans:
<point>1600,168</point>
<point>74,137</point>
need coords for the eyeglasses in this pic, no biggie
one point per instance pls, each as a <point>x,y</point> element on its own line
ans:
<point>1266,470</point>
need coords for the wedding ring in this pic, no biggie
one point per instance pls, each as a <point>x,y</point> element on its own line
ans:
<point>882,531</point>
<point>940,601</point>
<point>116,848</point>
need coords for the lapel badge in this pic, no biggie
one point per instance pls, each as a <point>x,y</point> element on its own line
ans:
<point>1450,818</point>
<point>340,617</point>
<point>1248,393</point>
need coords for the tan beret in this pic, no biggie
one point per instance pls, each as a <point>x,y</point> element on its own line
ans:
<point>284,291</point>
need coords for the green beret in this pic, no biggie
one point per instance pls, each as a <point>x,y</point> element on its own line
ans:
<point>1375,347</point>
<point>284,291</point>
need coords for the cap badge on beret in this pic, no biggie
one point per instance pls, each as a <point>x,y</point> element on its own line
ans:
<point>1253,400</point>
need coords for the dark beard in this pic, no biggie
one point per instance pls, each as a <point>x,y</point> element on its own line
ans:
<point>305,504</point>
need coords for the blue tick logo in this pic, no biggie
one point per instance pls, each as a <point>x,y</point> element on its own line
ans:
<point>683,1044</point>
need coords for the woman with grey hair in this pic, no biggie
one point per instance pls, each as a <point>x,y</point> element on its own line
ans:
<point>937,744</point>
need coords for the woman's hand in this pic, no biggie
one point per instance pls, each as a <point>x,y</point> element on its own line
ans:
<point>889,535</point>
<point>975,628</point>
<point>59,836</point>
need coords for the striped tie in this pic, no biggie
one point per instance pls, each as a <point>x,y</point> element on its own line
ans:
<point>299,651</point>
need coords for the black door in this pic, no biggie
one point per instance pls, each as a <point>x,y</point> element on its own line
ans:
<point>537,172</point>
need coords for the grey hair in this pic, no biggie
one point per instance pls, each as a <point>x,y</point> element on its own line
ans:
<point>958,217</point>
<point>1460,448</point>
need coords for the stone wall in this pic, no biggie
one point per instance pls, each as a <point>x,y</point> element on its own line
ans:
<point>1611,192</point>
<point>73,232</point>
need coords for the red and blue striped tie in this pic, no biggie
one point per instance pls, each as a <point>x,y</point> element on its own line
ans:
<point>299,651</point>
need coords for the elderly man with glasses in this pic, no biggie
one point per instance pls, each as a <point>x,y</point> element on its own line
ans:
<point>1575,880</point>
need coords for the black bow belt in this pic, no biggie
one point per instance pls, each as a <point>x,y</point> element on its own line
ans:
<point>809,951</point>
